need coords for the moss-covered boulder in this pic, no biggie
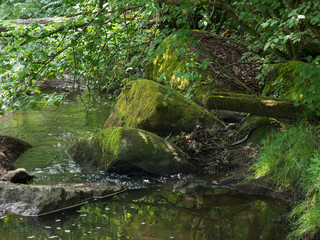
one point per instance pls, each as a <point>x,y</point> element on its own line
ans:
<point>210,65</point>
<point>145,104</point>
<point>280,80</point>
<point>130,151</point>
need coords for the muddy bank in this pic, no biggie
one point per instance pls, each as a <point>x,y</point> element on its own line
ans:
<point>221,154</point>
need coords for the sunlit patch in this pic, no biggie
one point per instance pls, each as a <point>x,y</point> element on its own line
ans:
<point>269,102</point>
<point>145,138</point>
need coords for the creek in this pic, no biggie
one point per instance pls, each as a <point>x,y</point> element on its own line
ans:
<point>177,207</point>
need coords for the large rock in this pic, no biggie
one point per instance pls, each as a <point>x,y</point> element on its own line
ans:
<point>130,151</point>
<point>10,149</point>
<point>145,104</point>
<point>34,200</point>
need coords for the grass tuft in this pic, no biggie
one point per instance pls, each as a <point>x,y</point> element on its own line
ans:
<point>292,158</point>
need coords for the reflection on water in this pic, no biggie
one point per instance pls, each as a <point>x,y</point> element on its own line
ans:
<point>157,213</point>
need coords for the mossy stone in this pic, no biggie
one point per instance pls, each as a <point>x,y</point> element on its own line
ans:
<point>259,128</point>
<point>145,104</point>
<point>281,81</point>
<point>130,151</point>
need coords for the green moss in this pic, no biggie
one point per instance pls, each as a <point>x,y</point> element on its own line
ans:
<point>167,66</point>
<point>192,68</point>
<point>281,81</point>
<point>144,104</point>
<point>109,143</point>
<point>148,143</point>
<point>253,122</point>
<point>259,127</point>
<point>179,66</point>
<point>258,105</point>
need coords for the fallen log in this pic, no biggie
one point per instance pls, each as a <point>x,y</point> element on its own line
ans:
<point>258,105</point>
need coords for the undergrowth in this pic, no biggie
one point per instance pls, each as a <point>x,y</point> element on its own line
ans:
<point>292,158</point>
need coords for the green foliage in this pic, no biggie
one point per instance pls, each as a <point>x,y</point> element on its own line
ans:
<point>103,48</point>
<point>109,43</point>
<point>106,46</point>
<point>286,30</point>
<point>309,74</point>
<point>292,159</point>
<point>282,27</point>
<point>14,9</point>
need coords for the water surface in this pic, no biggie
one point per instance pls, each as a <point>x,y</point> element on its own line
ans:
<point>157,213</point>
<point>51,131</point>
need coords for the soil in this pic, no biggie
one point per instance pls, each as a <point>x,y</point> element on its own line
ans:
<point>227,55</point>
<point>220,153</point>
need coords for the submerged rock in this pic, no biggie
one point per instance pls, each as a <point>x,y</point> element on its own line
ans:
<point>34,200</point>
<point>147,105</point>
<point>130,151</point>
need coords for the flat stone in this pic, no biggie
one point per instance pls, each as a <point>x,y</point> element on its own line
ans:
<point>35,200</point>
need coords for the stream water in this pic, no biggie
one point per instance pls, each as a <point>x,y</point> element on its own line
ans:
<point>178,207</point>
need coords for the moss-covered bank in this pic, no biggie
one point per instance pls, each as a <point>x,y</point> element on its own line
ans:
<point>209,65</point>
<point>281,80</point>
